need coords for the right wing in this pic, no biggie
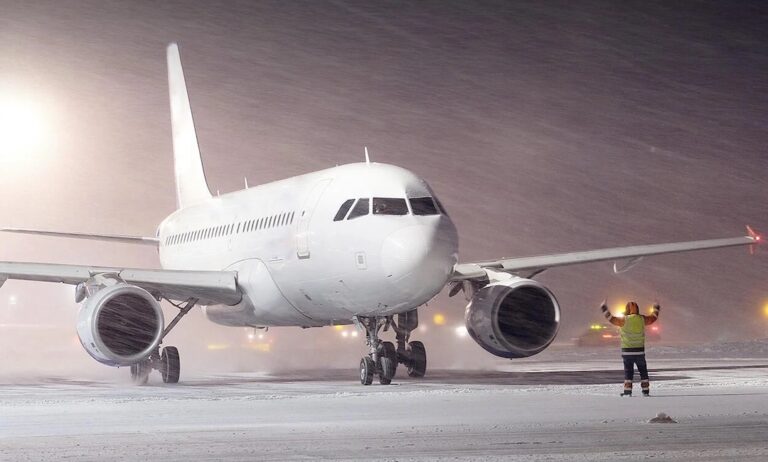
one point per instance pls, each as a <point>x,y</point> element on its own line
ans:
<point>97,237</point>
<point>209,287</point>
<point>530,266</point>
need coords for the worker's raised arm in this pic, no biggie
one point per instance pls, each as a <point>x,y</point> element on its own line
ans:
<point>654,316</point>
<point>612,319</point>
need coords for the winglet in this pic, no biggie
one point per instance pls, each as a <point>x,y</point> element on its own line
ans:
<point>367,158</point>
<point>755,237</point>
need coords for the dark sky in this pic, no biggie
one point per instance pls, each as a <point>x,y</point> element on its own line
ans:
<point>543,126</point>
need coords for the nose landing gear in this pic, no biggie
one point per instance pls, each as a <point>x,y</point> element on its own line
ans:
<point>383,357</point>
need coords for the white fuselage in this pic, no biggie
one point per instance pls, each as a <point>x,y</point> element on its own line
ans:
<point>298,266</point>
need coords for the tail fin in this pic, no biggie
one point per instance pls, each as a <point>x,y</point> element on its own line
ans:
<point>191,186</point>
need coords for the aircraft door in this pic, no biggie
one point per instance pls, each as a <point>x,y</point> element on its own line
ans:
<point>305,217</point>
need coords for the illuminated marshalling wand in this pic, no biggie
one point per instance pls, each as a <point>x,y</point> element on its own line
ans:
<point>366,243</point>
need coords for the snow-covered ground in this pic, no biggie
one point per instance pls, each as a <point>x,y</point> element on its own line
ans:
<point>534,410</point>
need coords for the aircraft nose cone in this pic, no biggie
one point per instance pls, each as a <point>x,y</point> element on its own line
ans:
<point>404,250</point>
<point>419,259</point>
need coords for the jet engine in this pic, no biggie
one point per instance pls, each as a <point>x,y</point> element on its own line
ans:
<point>120,324</point>
<point>513,318</point>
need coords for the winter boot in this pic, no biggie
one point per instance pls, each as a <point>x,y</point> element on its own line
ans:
<point>627,388</point>
<point>646,386</point>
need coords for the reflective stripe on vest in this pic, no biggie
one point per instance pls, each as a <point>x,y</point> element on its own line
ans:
<point>633,332</point>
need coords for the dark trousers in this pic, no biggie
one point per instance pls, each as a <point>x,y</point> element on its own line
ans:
<point>629,366</point>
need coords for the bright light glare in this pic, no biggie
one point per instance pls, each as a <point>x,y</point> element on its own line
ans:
<point>438,319</point>
<point>344,333</point>
<point>12,300</point>
<point>765,310</point>
<point>461,331</point>
<point>22,127</point>
<point>354,333</point>
<point>338,327</point>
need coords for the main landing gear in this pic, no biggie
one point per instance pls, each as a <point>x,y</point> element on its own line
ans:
<point>383,358</point>
<point>165,360</point>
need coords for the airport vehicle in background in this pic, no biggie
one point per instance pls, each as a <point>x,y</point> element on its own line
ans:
<point>364,244</point>
<point>600,334</point>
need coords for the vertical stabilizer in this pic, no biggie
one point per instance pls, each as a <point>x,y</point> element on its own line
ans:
<point>191,186</point>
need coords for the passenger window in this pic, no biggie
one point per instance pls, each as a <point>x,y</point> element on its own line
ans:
<point>343,210</point>
<point>360,209</point>
<point>389,206</point>
<point>423,206</point>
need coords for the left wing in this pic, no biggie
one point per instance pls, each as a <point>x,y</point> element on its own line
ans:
<point>97,237</point>
<point>209,287</point>
<point>531,266</point>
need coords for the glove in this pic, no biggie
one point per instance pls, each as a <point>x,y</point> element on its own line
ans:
<point>603,307</point>
<point>656,307</point>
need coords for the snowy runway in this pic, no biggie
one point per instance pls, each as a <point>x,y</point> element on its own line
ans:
<point>533,410</point>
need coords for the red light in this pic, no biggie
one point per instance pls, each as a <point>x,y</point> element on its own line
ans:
<point>607,336</point>
<point>655,328</point>
<point>757,238</point>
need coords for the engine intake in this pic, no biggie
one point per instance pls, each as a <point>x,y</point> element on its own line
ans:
<point>514,318</point>
<point>120,325</point>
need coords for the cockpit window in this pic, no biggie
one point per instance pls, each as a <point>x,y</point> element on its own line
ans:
<point>423,206</point>
<point>343,210</point>
<point>361,208</point>
<point>440,206</point>
<point>389,206</point>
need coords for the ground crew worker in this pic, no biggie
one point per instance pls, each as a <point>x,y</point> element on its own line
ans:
<point>632,329</point>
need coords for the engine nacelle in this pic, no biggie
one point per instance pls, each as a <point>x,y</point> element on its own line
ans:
<point>513,318</point>
<point>120,324</point>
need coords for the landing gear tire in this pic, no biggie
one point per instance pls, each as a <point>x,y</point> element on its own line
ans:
<point>170,364</point>
<point>387,356</point>
<point>367,367</point>
<point>417,364</point>
<point>140,372</point>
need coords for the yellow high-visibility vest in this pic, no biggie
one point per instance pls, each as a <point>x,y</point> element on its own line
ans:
<point>633,332</point>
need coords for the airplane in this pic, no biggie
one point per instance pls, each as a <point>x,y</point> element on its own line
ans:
<point>364,244</point>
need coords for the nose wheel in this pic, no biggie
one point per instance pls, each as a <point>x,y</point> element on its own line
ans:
<point>367,369</point>
<point>417,360</point>
<point>383,357</point>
